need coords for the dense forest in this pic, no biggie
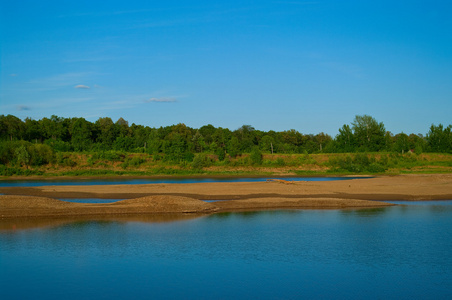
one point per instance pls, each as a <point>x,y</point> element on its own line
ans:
<point>37,142</point>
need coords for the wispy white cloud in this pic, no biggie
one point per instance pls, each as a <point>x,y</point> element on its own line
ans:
<point>23,107</point>
<point>162,99</point>
<point>81,86</point>
<point>58,81</point>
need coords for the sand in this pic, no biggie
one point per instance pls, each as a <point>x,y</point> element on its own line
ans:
<point>187,198</point>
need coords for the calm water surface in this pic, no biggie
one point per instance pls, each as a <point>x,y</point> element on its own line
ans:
<point>400,252</point>
<point>116,180</point>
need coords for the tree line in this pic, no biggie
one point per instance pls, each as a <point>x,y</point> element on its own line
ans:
<point>34,141</point>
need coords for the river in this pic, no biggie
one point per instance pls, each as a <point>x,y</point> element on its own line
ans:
<point>399,252</point>
<point>125,180</point>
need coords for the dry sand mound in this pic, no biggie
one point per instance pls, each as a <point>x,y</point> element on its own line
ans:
<point>296,203</point>
<point>29,206</point>
<point>167,203</point>
<point>13,202</point>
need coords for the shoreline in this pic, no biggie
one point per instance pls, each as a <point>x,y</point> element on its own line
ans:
<point>218,176</point>
<point>188,198</point>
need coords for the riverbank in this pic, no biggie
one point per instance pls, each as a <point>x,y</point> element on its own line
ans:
<point>321,164</point>
<point>228,196</point>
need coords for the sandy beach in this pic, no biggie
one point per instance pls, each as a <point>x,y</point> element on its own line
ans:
<point>188,198</point>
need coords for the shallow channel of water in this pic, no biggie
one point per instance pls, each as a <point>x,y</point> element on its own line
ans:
<point>116,180</point>
<point>399,252</point>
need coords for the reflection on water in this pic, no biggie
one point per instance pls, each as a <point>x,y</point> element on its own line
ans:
<point>15,224</point>
<point>390,252</point>
<point>118,180</point>
<point>425,203</point>
<point>89,200</point>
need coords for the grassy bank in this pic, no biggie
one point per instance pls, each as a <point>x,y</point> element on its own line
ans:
<point>113,163</point>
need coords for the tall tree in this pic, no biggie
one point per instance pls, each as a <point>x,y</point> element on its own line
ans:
<point>401,143</point>
<point>322,139</point>
<point>11,127</point>
<point>122,127</point>
<point>234,147</point>
<point>345,140</point>
<point>246,136</point>
<point>439,139</point>
<point>267,143</point>
<point>81,132</point>
<point>107,132</point>
<point>369,134</point>
<point>207,131</point>
<point>55,128</point>
<point>32,130</point>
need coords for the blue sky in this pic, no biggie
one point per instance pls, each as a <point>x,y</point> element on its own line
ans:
<point>276,65</point>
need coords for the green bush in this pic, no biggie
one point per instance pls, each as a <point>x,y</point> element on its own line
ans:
<point>65,159</point>
<point>40,154</point>
<point>25,153</point>
<point>22,156</point>
<point>58,145</point>
<point>256,156</point>
<point>280,162</point>
<point>360,163</point>
<point>201,160</point>
<point>376,168</point>
<point>132,162</point>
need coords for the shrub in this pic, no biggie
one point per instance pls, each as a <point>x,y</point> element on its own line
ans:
<point>58,145</point>
<point>256,156</point>
<point>201,160</point>
<point>132,162</point>
<point>376,168</point>
<point>361,162</point>
<point>40,154</point>
<point>65,160</point>
<point>280,162</point>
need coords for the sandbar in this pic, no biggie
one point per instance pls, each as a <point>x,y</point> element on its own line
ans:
<point>229,196</point>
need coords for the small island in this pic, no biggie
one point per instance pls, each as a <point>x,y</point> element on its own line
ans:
<point>144,199</point>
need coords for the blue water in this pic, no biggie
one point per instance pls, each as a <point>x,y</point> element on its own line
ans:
<point>25,183</point>
<point>400,252</point>
<point>100,200</point>
<point>90,200</point>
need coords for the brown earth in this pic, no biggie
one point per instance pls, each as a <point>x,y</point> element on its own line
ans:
<point>29,206</point>
<point>186,198</point>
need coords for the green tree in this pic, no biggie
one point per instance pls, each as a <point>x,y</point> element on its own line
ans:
<point>267,143</point>
<point>234,147</point>
<point>140,135</point>
<point>345,140</point>
<point>369,134</point>
<point>292,137</point>
<point>246,136</point>
<point>198,142</point>
<point>206,132</point>
<point>32,130</point>
<point>22,156</point>
<point>122,128</point>
<point>439,139</point>
<point>323,140</point>
<point>401,143</point>
<point>11,127</point>
<point>176,148</point>
<point>40,154</point>
<point>107,132</point>
<point>55,128</point>
<point>81,133</point>
<point>256,156</point>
